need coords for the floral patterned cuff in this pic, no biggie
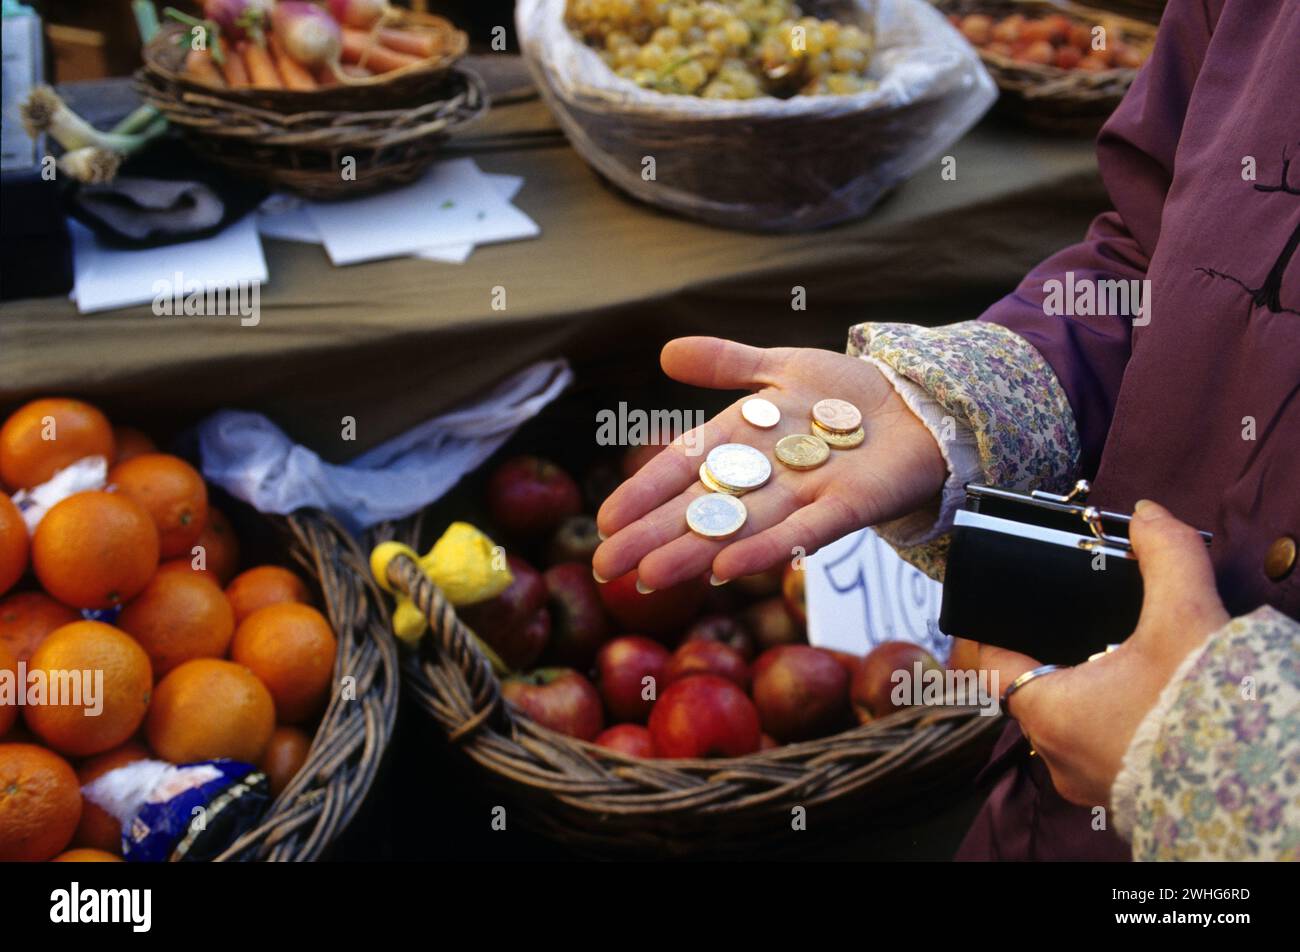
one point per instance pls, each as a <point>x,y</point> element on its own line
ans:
<point>1212,770</point>
<point>996,386</point>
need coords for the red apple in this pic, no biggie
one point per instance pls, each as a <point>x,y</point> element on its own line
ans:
<point>515,623</point>
<point>767,742</point>
<point>874,683</point>
<point>660,613</point>
<point>846,659</point>
<point>530,496</point>
<point>704,716</point>
<point>792,590</point>
<point>771,624</point>
<point>558,698</point>
<point>724,630</point>
<point>578,623</point>
<point>801,692</point>
<point>621,669</point>
<point>574,541</point>
<point>631,739</point>
<point>708,657</point>
<point>638,456</point>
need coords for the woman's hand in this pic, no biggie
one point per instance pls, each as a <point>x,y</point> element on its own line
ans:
<point>1082,720</point>
<point>897,470</point>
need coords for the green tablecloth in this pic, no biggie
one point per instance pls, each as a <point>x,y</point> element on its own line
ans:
<point>608,281</point>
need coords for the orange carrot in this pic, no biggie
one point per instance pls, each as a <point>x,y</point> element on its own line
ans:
<point>199,65</point>
<point>295,75</point>
<point>357,48</point>
<point>261,70</point>
<point>233,69</point>
<point>416,43</point>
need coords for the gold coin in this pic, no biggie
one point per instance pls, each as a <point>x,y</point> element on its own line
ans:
<point>838,416</point>
<point>708,479</point>
<point>738,466</point>
<point>761,413</point>
<point>802,451</point>
<point>716,515</point>
<point>839,441</point>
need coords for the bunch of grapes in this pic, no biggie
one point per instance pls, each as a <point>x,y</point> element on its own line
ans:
<point>724,49</point>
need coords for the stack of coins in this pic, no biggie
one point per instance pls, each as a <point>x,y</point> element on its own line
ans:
<point>838,422</point>
<point>729,471</point>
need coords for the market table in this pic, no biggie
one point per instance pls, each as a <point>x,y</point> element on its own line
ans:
<point>393,342</point>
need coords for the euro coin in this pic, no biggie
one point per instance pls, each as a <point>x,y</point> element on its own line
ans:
<point>802,451</point>
<point>838,416</point>
<point>840,441</point>
<point>738,466</point>
<point>761,413</point>
<point>716,515</point>
<point>707,479</point>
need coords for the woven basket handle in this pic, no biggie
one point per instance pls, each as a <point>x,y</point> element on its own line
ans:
<point>451,641</point>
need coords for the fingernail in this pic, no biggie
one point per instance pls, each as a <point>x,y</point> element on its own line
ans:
<point>643,588</point>
<point>601,536</point>
<point>596,576</point>
<point>714,580</point>
<point>1145,509</point>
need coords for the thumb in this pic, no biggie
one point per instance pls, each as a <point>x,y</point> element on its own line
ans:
<point>714,362</point>
<point>1177,576</point>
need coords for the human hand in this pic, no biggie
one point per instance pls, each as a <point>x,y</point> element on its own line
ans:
<point>1082,720</point>
<point>897,470</point>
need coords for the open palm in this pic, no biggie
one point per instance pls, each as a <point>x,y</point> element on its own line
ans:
<point>897,470</point>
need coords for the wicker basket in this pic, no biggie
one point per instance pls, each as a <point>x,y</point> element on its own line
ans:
<point>1049,98</point>
<point>393,127</point>
<point>765,164</point>
<point>353,734</point>
<point>602,803</point>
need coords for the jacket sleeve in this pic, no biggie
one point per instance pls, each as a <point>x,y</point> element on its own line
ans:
<point>1213,770</point>
<point>1135,154</point>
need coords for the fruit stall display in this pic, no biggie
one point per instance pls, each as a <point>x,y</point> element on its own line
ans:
<point>690,720</point>
<point>1060,66</point>
<point>208,653</point>
<point>282,98</point>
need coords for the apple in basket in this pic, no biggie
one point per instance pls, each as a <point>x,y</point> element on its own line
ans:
<point>631,739</point>
<point>704,716</point>
<point>529,496</point>
<point>622,667</point>
<point>516,623</point>
<point>575,540</point>
<point>770,623</point>
<point>873,685</point>
<point>725,630</point>
<point>660,613</point>
<point>801,692</point>
<point>792,590</point>
<point>578,623</point>
<point>708,657</point>
<point>558,698</point>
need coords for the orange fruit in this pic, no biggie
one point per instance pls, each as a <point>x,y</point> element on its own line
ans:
<point>290,648</point>
<point>186,567</point>
<point>130,443</point>
<point>8,710</point>
<point>27,617</point>
<point>120,689</point>
<point>262,586</point>
<point>14,544</point>
<point>40,803</point>
<point>283,758</point>
<point>208,708</point>
<point>46,435</point>
<point>87,856</point>
<point>179,616</point>
<point>174,495</point>
<point>95,550</point>
<point>220,546</point>
<point>98,829</point>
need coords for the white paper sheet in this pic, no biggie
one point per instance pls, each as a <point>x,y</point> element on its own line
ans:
<point>860,593</point>
<point>106,278</point>
<point>452,205</point>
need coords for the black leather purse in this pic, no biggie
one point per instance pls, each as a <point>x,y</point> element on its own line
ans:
<point>1042,574</point>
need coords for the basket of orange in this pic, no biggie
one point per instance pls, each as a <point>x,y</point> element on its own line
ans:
<point>115,560</point>
<point>324,102</point>
<point>1061,66</point>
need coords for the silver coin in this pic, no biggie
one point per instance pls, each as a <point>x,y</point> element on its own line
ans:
<point>716,515</point>
<point>738,466</point>
<point>761,413</point>
<point>714,486</point>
